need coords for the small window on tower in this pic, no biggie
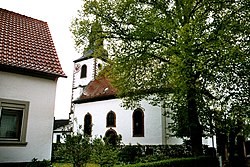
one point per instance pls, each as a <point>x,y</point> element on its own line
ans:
<point>84,71</point>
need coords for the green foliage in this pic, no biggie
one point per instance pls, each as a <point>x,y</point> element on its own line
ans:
<point>80,150</point>
<point>76,149</point>
<point>191,56</point>
<point>36,163</point>
<point>181,162</point>
<point>130,154</point>
<point>71,165</point>
<point>103,153</point>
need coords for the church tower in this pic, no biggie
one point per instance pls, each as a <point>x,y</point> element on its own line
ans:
<point>86,69</point>
<point>89,64</point>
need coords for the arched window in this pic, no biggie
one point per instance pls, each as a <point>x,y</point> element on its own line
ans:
<point>138,123</point>
<point>88,124</point>
<point>83,71</point>
<point>111,119</point>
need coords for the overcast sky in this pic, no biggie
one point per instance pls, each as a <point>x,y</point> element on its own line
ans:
<point>58,14</point>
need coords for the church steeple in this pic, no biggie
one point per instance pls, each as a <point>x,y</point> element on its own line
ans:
<point>96,41</point>
<point>88,66</point>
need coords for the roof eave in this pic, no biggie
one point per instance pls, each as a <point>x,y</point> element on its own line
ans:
<point>30,72</point>
<point>94,99</point>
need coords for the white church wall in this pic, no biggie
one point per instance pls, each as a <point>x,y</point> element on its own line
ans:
<point>152,121</point>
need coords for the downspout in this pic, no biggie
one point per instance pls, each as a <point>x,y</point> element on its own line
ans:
<point>164,124</point>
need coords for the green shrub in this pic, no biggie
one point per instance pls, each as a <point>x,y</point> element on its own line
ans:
<point>104,154</point>
<point>76,149</point>
<point>180,162</point>
<point>130,154</point>
<point>36,163</point>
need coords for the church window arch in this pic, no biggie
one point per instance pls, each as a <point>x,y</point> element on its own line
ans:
<point>138,123</point>
<point>88,124</point>
<point>83,71</point>
<point>111,119</point>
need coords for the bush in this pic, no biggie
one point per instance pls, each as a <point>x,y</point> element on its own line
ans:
<point>104,154</point>
<point>181,162</point>
<point>130,154</point>
<point>76,149</point>
<point>36,163</point>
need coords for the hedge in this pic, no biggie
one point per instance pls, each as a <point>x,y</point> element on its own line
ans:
<point>181,162</point>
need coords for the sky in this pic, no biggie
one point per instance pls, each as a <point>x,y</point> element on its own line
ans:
<point>58,14</point>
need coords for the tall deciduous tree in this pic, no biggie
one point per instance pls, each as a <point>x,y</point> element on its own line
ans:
<point>190,55</point>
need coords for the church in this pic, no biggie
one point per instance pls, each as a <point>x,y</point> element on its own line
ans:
<point>97,110</point>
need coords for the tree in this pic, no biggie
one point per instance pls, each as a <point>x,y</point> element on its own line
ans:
<point>103,153</point>
<point>188,55</point>
<point>76,149</point>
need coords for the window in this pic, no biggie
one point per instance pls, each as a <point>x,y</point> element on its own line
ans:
<point>13,121</point>
<point>138,123</point>
<point>84,71</point>
<point>111,119</point>
<point>88,124</point>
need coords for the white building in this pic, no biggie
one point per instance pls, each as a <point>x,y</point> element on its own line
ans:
<point>98,111</point>
<point>29,69</point>
<point>62,127</point>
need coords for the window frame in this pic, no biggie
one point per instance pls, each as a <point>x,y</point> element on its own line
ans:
<point>18,106</point>
<point>114,119</point>
<point>141,134</point>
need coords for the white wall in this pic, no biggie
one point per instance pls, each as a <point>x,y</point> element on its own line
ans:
<point>41,95</point>
<point>62,131</point>
<point>153,121</point>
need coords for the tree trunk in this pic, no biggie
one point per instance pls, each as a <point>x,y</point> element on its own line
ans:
<point>221,140</point>
<point>232,138</point>
<point>194,124</point>
<point>241,149</point>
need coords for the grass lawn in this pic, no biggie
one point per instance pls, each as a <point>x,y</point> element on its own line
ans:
<point>71,165</point>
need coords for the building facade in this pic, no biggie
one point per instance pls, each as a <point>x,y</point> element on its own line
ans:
<point>29,69</point>
<point>98,112</point>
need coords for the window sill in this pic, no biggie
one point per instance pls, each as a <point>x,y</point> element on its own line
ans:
<point>13,143</point>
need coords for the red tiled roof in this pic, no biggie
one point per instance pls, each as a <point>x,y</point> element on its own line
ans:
<point>98,89</point>
<point>26,43</point>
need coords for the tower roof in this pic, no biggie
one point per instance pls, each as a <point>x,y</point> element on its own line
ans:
<point>86,55</point>
<point>26,46</point>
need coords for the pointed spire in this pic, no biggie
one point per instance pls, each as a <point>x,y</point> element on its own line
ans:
<point>95,36</point>
<point>96,41</point>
